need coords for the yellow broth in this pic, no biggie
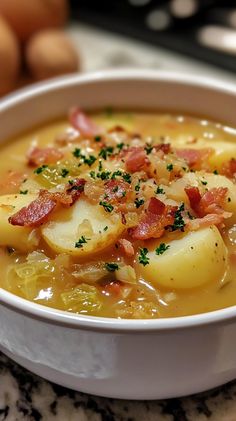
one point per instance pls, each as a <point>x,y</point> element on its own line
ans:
<point>55,281</point>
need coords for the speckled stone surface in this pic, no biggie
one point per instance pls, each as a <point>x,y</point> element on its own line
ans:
<point>26,397</point>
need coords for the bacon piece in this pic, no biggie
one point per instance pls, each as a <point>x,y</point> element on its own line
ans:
<point>211,202</point>
<point>39,156</point>
<point>157,217</point>
<point>76,189</point>
<point>11,182</point>
<point>36,213</point>
<point>164,147</point>
<point>194,196</point>
<point>81,122</point>
<point>126,246</point>
<point>137,160</point>
<point>116,189</point>
<point>229,168</point>
<point>194,157</point>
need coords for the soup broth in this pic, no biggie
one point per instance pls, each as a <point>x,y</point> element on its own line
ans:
<point>120,214</point>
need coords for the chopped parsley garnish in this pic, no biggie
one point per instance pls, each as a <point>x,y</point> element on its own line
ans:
<point>64,172</point>
<point>39,170</point>
<point>116,188</point>
<point>190,216</point>
<point>81,242</point>
<point>97,138</point>
<point>138,203</point>
<point>215,172</point>
<point>107,206</point>
<point>161,248</point>
<point>137,187</point>
<point>77,153</point>
<point>105,152</point>
<point>204,183</point>
<point>111,267</point>
<point>159,190</point>
<point>143,258</point>
<point>120,146</point>
<point>126,177</point>
<point>105,228</point>
<point>169,167</point>
<point>100,165</point>
<point>92,174</point>
<point>179,223</point>
<point>24,191</point>
<point>104,175</point>
<point>116,174</point>
<point>148,148</point>
<point>90,160</point>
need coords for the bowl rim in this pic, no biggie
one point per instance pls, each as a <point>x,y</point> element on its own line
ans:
<point>105,324</point>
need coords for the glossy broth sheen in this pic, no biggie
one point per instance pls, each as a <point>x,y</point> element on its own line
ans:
<point>55,281</point>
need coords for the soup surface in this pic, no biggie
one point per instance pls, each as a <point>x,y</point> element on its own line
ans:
<point>119,214</point>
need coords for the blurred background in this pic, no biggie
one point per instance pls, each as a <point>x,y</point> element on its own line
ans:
<point>40,39</point>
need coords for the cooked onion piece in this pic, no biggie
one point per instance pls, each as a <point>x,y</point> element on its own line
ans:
<point>195,259</point>
<point>82,230</point>
<point>14,236</point>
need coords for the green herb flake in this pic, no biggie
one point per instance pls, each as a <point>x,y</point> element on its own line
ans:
<point>127,177</point>
<point>97,138</point>
<point>77,153</point>
<point>116,174</point>
<point>179,223</point>
<point>24,191</point>
<point>161,249</point>
<point>138,203</point>
<point>148,148</point>
<point>159,190</point>
<point>143,258</point>
<point>215,172</point>
<point>120,146</point>
<point>169,167</point>
<point>79,244</point>
<point>107,206</point>
<point>39,170</point>
<point>105,152</point>
<point>111,267</point>
<point>92,174</point>
<point>204,183</point>
<point>64,172</point>
<point>105,228</point>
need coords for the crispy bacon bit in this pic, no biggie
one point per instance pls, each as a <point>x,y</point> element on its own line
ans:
<point>229,168</point>
<point>39,156</point>
<point>116,189</point>
<point>194,157</point>
<point>11,182</point>
<point>211,202</point>
<point>36,213</point>
<point>126,246</point>
<point>137,160</point>
<point>164,147</point>
<point>81,122</point>
<point>157,217</point>
<point>76,189</point>
<point>194,196</point>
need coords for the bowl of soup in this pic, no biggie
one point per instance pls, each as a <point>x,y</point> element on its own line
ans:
<point>118,232</point>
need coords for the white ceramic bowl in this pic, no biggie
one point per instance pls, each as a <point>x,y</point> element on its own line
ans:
<point>133,359</point>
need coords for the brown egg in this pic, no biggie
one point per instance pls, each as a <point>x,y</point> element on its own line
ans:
<point>50,53</point>
<point>9,58</point>
<point>29,16</point>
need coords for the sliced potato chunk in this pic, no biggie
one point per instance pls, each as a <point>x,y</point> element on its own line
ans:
<point>14,236</point>
<point>195,259</point>
<point>98,228</point>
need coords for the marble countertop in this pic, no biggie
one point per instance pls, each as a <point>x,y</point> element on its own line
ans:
<point>26,397</point>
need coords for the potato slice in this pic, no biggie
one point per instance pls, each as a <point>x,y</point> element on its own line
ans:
<point>193,260</point>
<point>14,236</point>
<point>99,228</point>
